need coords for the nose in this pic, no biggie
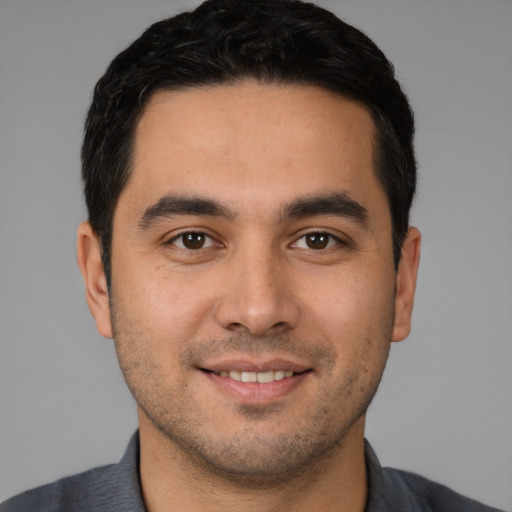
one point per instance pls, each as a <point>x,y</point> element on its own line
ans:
<point>258,296</point>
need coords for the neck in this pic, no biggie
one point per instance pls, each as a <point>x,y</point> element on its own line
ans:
<point>172,480</point>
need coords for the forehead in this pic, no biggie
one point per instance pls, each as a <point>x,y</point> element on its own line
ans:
<point>251,140</point>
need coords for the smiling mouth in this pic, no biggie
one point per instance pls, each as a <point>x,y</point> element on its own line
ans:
<point>261,377</point>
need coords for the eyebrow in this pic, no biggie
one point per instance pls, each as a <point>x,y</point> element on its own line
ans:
<point>170,206</point>
<point>339,204</point>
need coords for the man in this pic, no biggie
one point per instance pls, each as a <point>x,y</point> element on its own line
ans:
<point>248,171</point>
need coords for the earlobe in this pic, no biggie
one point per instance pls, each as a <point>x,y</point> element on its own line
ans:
<point>91,266</point>
<point>406,284</point>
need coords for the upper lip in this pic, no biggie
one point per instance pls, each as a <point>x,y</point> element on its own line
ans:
<point>254,365</point>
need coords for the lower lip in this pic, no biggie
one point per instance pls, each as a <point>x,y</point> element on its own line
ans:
<point>257,392</point>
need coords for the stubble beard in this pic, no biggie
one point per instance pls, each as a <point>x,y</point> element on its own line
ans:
<point>256,455</point>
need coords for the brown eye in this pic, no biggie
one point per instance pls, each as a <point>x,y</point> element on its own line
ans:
<point>192,240</point>
<point>317,241</point>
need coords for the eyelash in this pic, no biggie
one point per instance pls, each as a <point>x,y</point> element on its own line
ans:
<point>331,240</point>
<point>207,239</point>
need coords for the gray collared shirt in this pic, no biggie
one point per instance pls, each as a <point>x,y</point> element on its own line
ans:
<point>116,488</point>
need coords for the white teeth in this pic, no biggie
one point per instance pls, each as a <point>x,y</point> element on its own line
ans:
<point>261,377</point>
<point>248,377</point>
<point>265,376</point>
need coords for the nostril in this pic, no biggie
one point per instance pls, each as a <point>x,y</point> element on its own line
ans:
<point>257,315</point>
<point>235,326</point>
<point>278,327</point>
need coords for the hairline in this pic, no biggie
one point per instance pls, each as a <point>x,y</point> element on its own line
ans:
<point>148,93</point>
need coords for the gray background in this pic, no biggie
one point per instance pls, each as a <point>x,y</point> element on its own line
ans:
<point>444,408</point>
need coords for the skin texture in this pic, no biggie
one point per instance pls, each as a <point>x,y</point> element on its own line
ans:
<point>260,287</point>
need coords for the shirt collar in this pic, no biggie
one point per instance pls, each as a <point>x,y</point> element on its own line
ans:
<point>385,492</point>
<point>126,492</point>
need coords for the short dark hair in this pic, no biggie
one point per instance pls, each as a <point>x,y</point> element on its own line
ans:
<point>223,42</point>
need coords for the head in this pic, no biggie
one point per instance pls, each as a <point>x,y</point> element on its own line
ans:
<point>248,171</point>
<point>225,42</point>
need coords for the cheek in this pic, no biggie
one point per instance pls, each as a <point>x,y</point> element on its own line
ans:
<point>351,308</point>
<point>166,309</point>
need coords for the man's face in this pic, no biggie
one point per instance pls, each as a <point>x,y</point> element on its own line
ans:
<point>253,242</point>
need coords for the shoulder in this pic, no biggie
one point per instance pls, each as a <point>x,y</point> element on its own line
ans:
<point>393,490</point>
<point>431,496</point>
<point>112,488</point>
<point>75,493</point>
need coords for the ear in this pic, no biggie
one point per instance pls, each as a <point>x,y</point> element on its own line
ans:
<point>406,284</point>
<point>91,266</point>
